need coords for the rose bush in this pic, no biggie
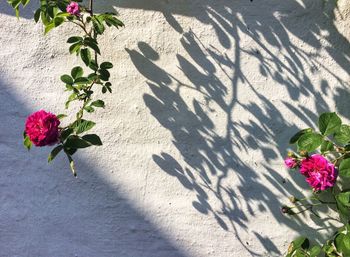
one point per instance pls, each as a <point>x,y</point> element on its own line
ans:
<point>323,158</point>
<point>43,128</point>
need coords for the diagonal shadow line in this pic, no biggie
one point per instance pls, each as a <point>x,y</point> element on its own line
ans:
<point>46,212</point>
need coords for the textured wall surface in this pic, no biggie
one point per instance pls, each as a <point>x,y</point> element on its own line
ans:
<point>206,96</point>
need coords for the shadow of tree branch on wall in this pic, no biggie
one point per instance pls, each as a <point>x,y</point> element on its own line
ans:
<point>211,157</point>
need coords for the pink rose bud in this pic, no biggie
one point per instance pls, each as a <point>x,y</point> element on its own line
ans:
<point>287,210</point>
<point>42,128</point>
<point>73,9</point>
<point>290,162</point>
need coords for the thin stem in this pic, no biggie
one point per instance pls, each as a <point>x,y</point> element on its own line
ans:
<point>87,97</point>
<point>82,26</point>
<point>91,5</point>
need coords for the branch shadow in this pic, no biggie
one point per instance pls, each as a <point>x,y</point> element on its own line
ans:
<point>210,159</point>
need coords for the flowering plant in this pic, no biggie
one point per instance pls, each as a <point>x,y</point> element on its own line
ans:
<point>323,158</point>
<point>43,128</point>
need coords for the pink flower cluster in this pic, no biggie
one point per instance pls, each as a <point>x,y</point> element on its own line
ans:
<point>73,9</point>
<point>42,128</point>
<point>319,172</point>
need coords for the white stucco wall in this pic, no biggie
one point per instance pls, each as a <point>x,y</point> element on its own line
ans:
<point>206,96</point>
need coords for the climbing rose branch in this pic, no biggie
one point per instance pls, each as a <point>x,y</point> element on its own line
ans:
<point>43,128</point>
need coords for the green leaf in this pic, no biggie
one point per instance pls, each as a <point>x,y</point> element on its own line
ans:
<point>54,153</point>
<point>49,27</point>
<point>341,242</point>
<point>85,55</point>
<point>106,65</point>
<point>25,2</point>
<point>327,146</point>
<point>315,251</point>
<point>98,103</point>
<point>15,3</point>
<point>67,79</point>
<point>50,12</point>
<point>17,12</point>
<point>69,87</point>
<point>329,249</point>
<point>37,15</point>
<point>92,139</point>
<point>344,212</point>
<point>58,21</point>
<point>63,14</point>
<point>106,87</point>
<point>76,142</point>
<point>93,46</point>
<point>90,39</point>
<point>344,168</point>
<point>27,143</point>
<point>344,198</point>
<point>296,137</point>
<point>93,76</point>
<point>61,116</point>
<point>71,98</point>
<point>70,151</point>
<point>65,133</point>
<point>62,5</point>
<point>89,109</point>
<point>83,126</point>
<point>71,164</point>
<point>346,242</point>
<point>74,40</point>
<point>44,18</point>
<point>77,72</point>
<point>98,26</point>
<point>104,74</point>
<point>342,136</point>
<point>300,242</point>
<point>81,81</point>
<point>299,253</point>
<point>74,48</point>
<point>329,123</point>
<point>114,21</point>
<point>309,142</point>
<point>93,65</point>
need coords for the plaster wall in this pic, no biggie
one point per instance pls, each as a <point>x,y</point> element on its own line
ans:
<point>206,96</point>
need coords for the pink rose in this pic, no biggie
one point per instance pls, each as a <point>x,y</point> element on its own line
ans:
<point>319,172</point>
<point>42,128</point>
<point>73,9</point>
<point>290,162</point>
